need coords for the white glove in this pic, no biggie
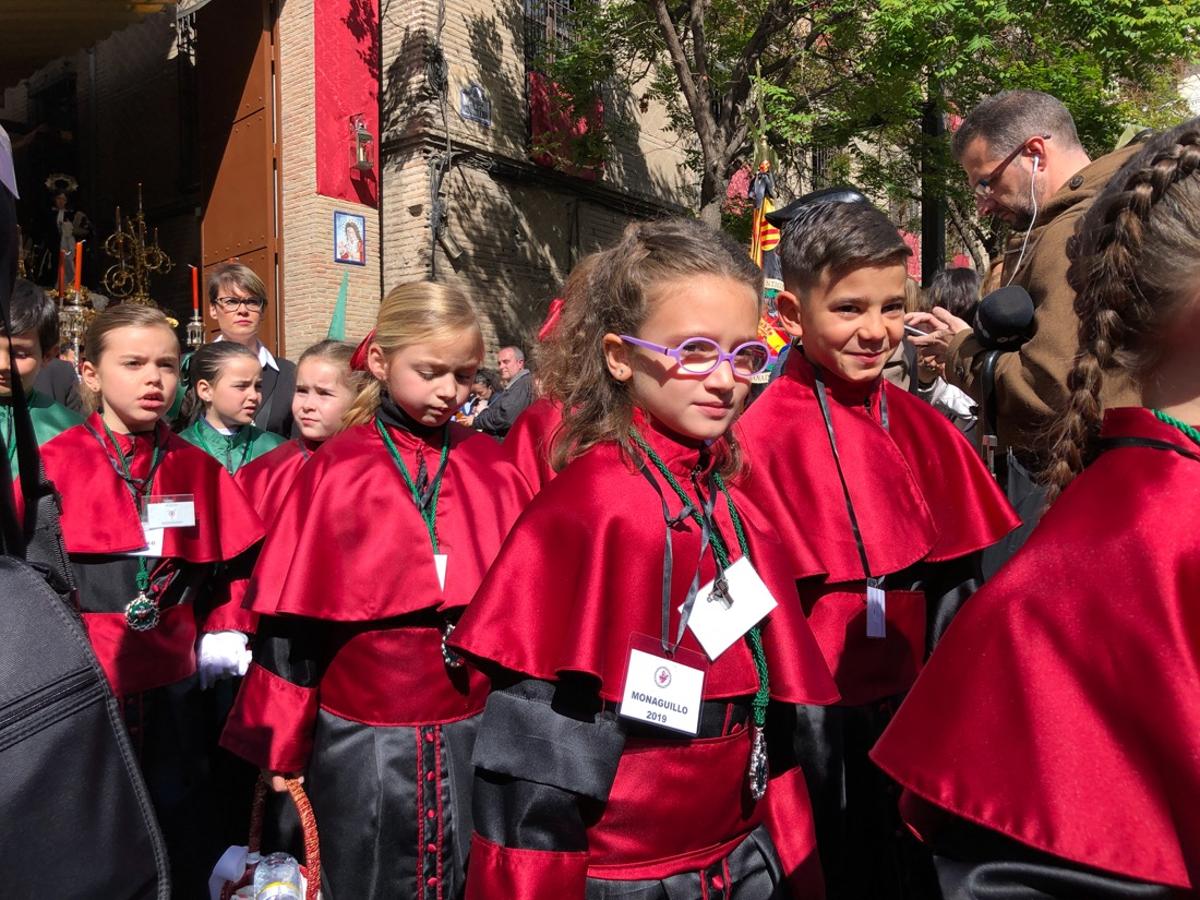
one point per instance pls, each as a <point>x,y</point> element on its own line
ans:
<point>221,654</point>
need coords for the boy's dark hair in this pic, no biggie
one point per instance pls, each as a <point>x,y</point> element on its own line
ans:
<point>837,237</point>
<point>34,310</point>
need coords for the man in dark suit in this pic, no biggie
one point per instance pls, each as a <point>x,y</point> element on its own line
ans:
<point>236,300</point>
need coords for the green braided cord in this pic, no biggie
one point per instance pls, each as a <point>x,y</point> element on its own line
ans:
<point>754,636</point>
<point>1182,426</point>
<point>430,517</point>
<point>763,696</point>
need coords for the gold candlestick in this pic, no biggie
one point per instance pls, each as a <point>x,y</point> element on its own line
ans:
<point>129,278</point>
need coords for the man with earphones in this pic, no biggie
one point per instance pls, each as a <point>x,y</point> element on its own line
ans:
<point>1022,156</point>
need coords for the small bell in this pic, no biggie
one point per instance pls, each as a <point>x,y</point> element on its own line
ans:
<point>142,613</point>
<point>758,765</point>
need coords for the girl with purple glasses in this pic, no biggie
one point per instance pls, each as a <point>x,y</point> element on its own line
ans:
<point>634,625</point>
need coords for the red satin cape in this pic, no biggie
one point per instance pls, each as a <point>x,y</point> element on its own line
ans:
<point>98,512</point>
<point>920,491</point>
<point>529,441</point>
<point>348,543</point>
<point>582,571</point>
<point>1062,708</point>
<point>265,481</point>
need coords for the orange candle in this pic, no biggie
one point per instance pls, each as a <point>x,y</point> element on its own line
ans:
<point>62,273</point>
<point>195,289</point>
<point>78,264</point>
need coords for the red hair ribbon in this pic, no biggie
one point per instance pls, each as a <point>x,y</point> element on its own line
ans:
<point>358,360</point>
<point>552,317</point>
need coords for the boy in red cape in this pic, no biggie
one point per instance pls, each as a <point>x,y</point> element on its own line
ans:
<point>892,501</point>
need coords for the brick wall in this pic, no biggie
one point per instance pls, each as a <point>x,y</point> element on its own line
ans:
<point>310,276</point>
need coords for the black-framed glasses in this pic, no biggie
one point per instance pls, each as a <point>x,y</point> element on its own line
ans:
<point>701,355</point>
<point>230,304</point>
<point>983,187</point>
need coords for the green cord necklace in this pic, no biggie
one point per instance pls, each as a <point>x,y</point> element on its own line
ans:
<point>141,613</point>
<point>426,503</point>
<point>758,756</point>
<point>1187,429</point>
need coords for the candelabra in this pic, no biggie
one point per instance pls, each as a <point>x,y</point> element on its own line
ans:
<point>129,278</point>
<point>75,314</point>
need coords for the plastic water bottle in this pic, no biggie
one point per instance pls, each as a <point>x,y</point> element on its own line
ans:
<point>277,877</point>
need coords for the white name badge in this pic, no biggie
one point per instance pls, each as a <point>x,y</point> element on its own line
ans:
<point>439,563</point>
<point>718,624</point>
<point>661,691</point>
<point>169,511</point>
<point>154,543</point>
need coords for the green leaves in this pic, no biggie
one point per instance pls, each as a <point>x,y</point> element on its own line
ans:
<point>856,75</point>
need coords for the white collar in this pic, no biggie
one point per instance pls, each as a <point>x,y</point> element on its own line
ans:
<point>264,355</point>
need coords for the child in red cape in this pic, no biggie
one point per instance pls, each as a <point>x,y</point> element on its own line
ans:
<point>152,527</point>
<point>326,387</point>
<point>1050,747</point>
<point>891,501</point>
<point>616,757</point>
<point>377,548</point>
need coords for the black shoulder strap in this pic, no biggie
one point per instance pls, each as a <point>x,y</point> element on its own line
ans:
<point>1118,443</point>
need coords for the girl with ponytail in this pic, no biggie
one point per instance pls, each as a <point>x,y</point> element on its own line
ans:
<point>224,392</point>
<point>1053,737</point>
<point>373,555</point>
<point>326,386</point>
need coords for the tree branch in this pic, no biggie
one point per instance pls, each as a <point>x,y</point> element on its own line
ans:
<point>774,17</point>
<point>700,49</point>
<point>706,127</point>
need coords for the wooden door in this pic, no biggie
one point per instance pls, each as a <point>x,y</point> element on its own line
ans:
<point>236,51</point>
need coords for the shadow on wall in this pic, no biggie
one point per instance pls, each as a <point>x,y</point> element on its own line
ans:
<point>514,231</point>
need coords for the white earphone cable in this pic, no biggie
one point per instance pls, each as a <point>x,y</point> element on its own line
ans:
<point>1029,230</point>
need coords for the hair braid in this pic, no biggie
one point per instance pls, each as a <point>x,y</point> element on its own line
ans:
<point>1126,273</point>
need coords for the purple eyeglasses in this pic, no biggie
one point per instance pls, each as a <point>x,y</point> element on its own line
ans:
<point>701,355</point>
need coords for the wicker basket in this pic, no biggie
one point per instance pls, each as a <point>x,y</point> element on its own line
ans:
<point>311,870</point>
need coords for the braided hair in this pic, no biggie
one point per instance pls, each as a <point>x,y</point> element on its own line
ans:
<point>1134,260</point>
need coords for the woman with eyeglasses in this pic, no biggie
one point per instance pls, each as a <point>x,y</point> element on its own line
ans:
<point>237,301</point>
<point>619,754</point>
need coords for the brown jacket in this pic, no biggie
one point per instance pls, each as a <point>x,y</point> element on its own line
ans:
<point>1031,383</point>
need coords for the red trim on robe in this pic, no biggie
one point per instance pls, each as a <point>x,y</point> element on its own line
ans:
<point>137,661</point>
<point>98,512</point>
<point>865,668</point>
<point>265,481</point>
<point>528,442</point>
<point>790,823</point>
<point>349,526</point>
<point>595,535</point>
<point>1062,707</point>
<point>497,871</point>
<point>228,613</point>
<point>363,683</point>
<point>272,722</point>
<point>920,491</point>
<point>639,835</point>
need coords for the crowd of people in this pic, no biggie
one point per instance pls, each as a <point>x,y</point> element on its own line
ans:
<point>667,640</point>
